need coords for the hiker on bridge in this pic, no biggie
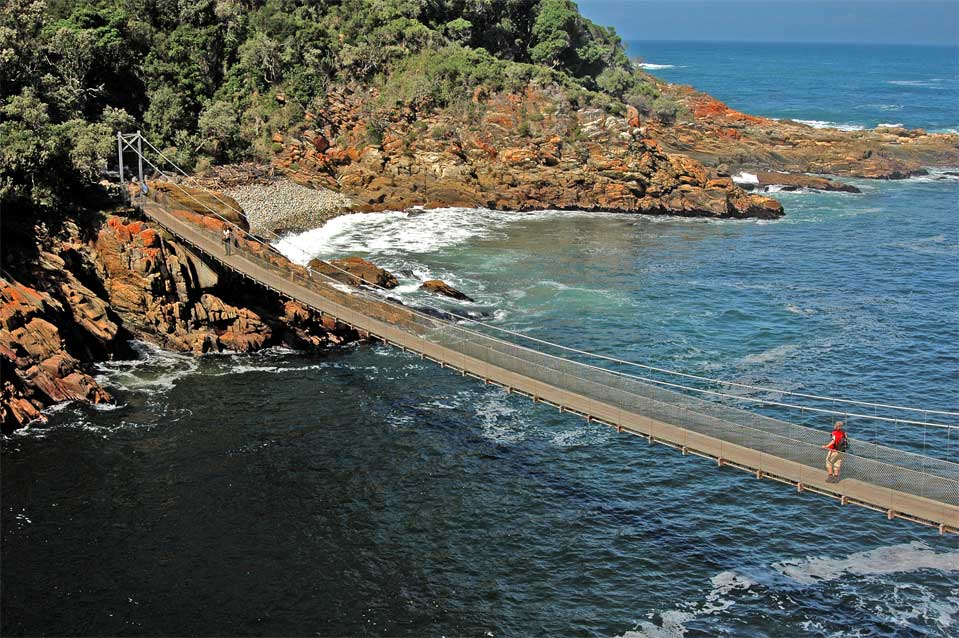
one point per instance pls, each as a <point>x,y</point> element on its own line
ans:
<point>228,241</point>
<point>837,447</point>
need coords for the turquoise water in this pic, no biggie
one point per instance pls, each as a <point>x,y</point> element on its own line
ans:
<point>368,492</point>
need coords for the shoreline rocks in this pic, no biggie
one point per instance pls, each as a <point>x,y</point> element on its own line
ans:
<point>767,181</point>
<point>731,141</point>
<point>518,152</point>
<point>82,298</point>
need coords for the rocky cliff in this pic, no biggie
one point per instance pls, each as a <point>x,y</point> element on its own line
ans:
<point>525,151</point>
<point>81,296</point>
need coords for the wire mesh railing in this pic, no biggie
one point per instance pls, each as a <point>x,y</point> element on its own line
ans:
<point>623,400</point>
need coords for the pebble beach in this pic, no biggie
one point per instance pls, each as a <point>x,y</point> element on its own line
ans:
<point>285,205</point>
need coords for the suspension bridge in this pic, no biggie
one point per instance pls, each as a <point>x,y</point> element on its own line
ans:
<point>705,422</point>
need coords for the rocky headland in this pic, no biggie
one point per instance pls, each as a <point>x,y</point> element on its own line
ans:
<point>527,151</point>
<point>728,141</point>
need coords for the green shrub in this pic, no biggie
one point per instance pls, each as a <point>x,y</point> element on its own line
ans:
<point>375,130</point>
<point>665,109</point>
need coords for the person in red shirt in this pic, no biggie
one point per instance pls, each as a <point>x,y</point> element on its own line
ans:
<point>836,448</point>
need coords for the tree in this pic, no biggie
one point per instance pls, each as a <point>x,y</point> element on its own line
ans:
<point>553,31</point>
<point>219,130</point>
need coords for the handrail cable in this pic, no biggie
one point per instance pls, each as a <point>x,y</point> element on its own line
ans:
<point>586,365</point>
<point>595,355</point>
<point>584,352</point>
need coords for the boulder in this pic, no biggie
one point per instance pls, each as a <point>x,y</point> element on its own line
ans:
<point>440,287</point>
<point>202,201</point>
<point>358,271</point>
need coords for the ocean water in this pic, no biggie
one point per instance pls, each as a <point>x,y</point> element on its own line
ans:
<point>367,492</point>
<point>844,86</point>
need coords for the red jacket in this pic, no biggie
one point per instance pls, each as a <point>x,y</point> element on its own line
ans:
<point>837,436</point>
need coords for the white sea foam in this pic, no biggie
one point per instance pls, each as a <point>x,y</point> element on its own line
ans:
<point>404,232</point>
<point>893,559</point>
<point>649,66</point>
<point>903,606</point>
<point>937,175</point>
<point>889,125</point>
<point>823,124</point>
<point>673,622</point>
<point>932,83</point>
<point>267,369</point>
<point>746,178</point>
<point>772,355</point>
<point>154,369</point>
<point>498,418</point>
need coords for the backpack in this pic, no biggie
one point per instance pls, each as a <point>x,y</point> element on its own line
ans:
<point>843,445</point>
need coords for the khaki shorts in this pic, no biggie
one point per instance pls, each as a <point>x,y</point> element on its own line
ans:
<point>834,459</point>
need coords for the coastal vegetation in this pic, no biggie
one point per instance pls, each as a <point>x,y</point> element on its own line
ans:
<point>211,80</point>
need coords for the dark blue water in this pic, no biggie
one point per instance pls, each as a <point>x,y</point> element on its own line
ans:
<point>849,86</point>
<point>369,492</point>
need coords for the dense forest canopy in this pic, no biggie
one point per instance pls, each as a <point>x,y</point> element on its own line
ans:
<point>201,77</point>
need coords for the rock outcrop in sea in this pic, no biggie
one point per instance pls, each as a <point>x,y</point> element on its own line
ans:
<point>729,141</point>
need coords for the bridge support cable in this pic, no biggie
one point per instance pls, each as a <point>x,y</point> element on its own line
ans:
<point>888,480</point>
<point>650,380</point>
<point>619,390</point>
<point>599,356</point>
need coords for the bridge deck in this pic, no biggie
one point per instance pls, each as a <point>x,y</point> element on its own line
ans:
<point>899,484</point>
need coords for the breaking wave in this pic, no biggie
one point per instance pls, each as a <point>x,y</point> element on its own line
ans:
<point>823,124</point>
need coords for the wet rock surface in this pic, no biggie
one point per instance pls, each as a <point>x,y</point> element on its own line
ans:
<point>767,181</point>
<point>440,287</point>
<point>355,271</point>
<point>82,299</point>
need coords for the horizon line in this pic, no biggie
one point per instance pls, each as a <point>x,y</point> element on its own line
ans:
<point>940,45</point>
